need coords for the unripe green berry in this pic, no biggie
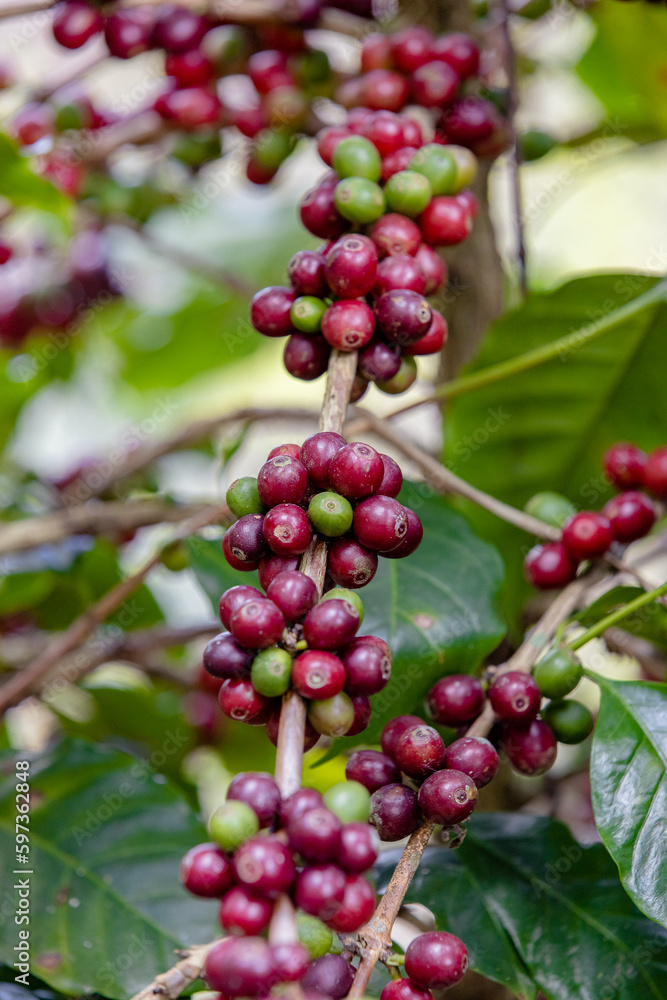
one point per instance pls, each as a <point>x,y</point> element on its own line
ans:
<point>175,557</point>
<point>272,147</point>
<point>307,312</point>
<point>558,673</point>
<point>315,936</point>
<point>570,721</point>
<point>243,497</point>
<point>403,378</point>
<point>351,596</point>
<point>232,824</point>
<point>330,514</point>
<point>350,801</point>
<point>359,200</point>
<point>271,671</point>
<point>552,508</point>
<point>535,144</point>
<point>438,166</point>
<point>332,716</point>
<point>357,157</point>
<point>466,167</point>
<point>408,192</point>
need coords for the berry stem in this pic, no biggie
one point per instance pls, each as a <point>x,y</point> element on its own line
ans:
<point>515,148</point>
<point>617,616</point>
<point>340,376</point>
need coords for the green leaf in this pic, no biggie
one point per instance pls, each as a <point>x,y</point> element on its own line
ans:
<point>212,569</point>
<point>649,622</point>
<point>538,911</point>
<point>106,838</point>
<point>629,786</point>
<point>22,187</point>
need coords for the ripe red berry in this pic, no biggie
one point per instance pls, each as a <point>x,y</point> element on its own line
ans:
<point>75,22</point>
<point>32,123</point>
<point>264,865</point>
<point>271,565</point>
<point>420,751</point>
<point>350,564</point>
<point>372,769</point>
<point>287,529</point>
<point>205,871</point>
<point>362,709</point>
<point>259,791</point>
<point>356,471</point>
<point>348,324</point>
<point>531,749</point>
<point>351,266</point>
<point>315,835</point>
<point>403,316</point>
<point>399,271</point>
<point>189,69</point>
<point>331,624</point>
<point>384,90</point>
<point>225,657</point>
<point>411,48</point>
<point>377,53</point>
<point>244,541</point>
<point>239,700</point>
<point>433,340</point>
<point>318,674</point>
<point>379,360</point>
<point>290,961</point>
<point>548,566</point>
<point>458,51</point>
<point>320,890</point>
<point>456,700</point>
<point>448,797</point>
<point>445,222</point>
<point>515,697</point>
<point>178,29</point>
<point>316,454</point>
<point>474,756</point>
<point>298,803</point>
<point>282,479</point>
<point>433,268</point>
<point>587,535</point>
<point>189,108</point>
<point>434,85</point>
<point>241,967</point>
<point>268,69</point>
<point>392,480</point>
<point>129,32</point>
<point>270,311</point>
<point>357,906</point>
<point>257,624</point>
<point>328,139</point>
<point>654,475</point>
<point>284,449</point>
<point>244,913</point>
<point>368,668</point>
<point>306,357</point>
<point>411,540</point>
<point>436,960</point>
<point>394,729</point>
<point>624,464</point>
<point>319,213</point>
<point>234,598</point>
<point>404,989</point>
<point>396,162</point>
<point>306,273</point>
<point>358,846</point>
<point>395,234</point>
<point>395,812</point>
<point>328,976</point>
<point>294,593</point>
<point>385,131</point>
<point>632,515</point>
<point>380,523</point>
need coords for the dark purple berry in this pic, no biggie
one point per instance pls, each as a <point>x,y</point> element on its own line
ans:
<point>294,593</point>
<point>291,962</point>
<point>282,479</point>
<point>474,756</point>
<point>316,454</point>
<point>394,729</point>
<point>258,624</point>
<point>316,835</point>
<point>372,769</point>
<point>240,967</point>
<point>259,791</point>
<point>306,273</point>
<point>456,700</point>
<point>531,749</point>
<point>362,709</point>
<point>448,797</point>
<point>436,960</point>
<point>379,360</point>
<point>420,751</point>
<point>287,529</point>
<point>403,316</point>
<point>395,812</point>
<point>205,871</point>
<point>245,538</point>
<point>225,657</point>
<point>380,523</point>
<point>306,357</point>
<point>328,976</point>
<point>515,697</point>
<point>331,624</point>
<point>367,666</point>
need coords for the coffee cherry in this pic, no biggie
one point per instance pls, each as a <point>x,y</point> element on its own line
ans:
<point>558,673</point>
<point>412,539</point>
<point>282,479</point>
<point>306,357</point>
<point>357,906</point>
<point>458,51</point>
<point>259,791</point>
<point>395,812</point>
<point>358,847</point>
<point>569,720</point>
<point>129,32</point>
<point>392,480</point>
<point>242,497</point>
<point>377,53</point>
<point>315,835</point>
<point>438,165</point>
<point>333,716</point>
<point>348,324</point>
<point>367,667</point>
<point>244,543</point>
<point>531,749</point>
<point>548,566</point>
<point>436,960</point>
<point>330,625</point>
<point>385,131</point>
<point>433,340</point>
<point>349,596</point>
<point>75,22</point>
<point>264,865</point>
<point>394,729</point>
<point>552,508</point>
<point>298,803</point>
<point>351,267</point>
<point>356,471</point>
<point>379,360</point>
<point>360,201</point>
<point>189,69</point>
<point>395,162</point>
<point>330,514</point>
<point>349,800</point>
<point>271,672</point>
<point>319,213</point>
<point>356,156</point>
<point>587,535</point>
<point>402,380</point>
<point>257,624</point>
<point>632,515</point>
<point>383,90</point>
<point>472,122</point>
<point>474,756</point>
<point>319,891</point>
<point>624,464</point>
<point>243,913</point>
<point>363,710</point>
<point>456,700</point>
<point>178,29</point>
<point>372,769</point>
<point>380,523</point>
<point>654,475</point>
<point>395,234</point>
<point>307,312</point>
<point>189,107</point>
<point>400,271</point>
<point>404,989</point>
<point>239,700</point>
<point>408,192</point>
<point>290,961</point>
<point>306,273</point>
<point>445,222</point>
<point>318,674</point>
<point>225,657</point>
<point>448,797</point>
<point>268,70</point>
<point>420,751</point>
<point>411,48</point>
<point>350,564</point>
<point>240,967</point>
<point>316,454</point>
<point>271,565</point>
<point>434,84</point>
<point>270,311</point>
<point>515,697</point>
<point>205,871</point>
<point>233,823</point>
<point>287,530</point>
<point>403,316</point>
<point>328,139</point>
<point>294,593</point>
<point>329,976</point>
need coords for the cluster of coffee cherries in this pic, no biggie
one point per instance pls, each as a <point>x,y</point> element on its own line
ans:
<point>44,293</point>
<point>346,493</point>
<point>366,290</point>
<point>627,517</point>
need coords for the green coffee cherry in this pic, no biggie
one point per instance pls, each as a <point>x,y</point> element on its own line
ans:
<point>558,673</point>
<point>552,508</point>
<point>271,671</point>
<point>350,801</point>
<point>332,716</point>
<point>359,200</point>
<point>233,823</point>
<point>272,147</point>
<point>535,144</point>
<point>351,596</point>
<point>438,166</point>
<point>307,312</point>
<point>570,721</point>
<point>330,514</point>
<point>408,192</point>
<point>315,936</point>
<point>466,167</point>
<point>243,497</point>
<point>357,157</point>
<point>175,557</point>
<point>403,378</point>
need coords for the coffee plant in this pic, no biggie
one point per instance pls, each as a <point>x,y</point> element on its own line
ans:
<point>307,692</point>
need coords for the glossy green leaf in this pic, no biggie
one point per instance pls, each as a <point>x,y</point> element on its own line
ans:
<point>538,911</point>
<point>649,622</point>
<point>107,835</point>
<point>22,187</point>
<point>629,785</point>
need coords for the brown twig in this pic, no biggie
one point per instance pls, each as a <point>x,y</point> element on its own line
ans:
<point>169,985</point>
<point>515,146</point>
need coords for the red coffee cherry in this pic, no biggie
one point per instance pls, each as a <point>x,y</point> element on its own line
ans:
<point>380,523</point>
<point>433,340</point>
<point>264,865</point>
<point>235,598</point>
<point>294,593</point>
<point>458,51</point>
<point>436,960</point>
<point>549,566</point>
<point>306,273</point>
<point>320,890</point>
<point>259,791</point>
<point>474,756</point>
<point>358,847</point>
<point>394,729</point>
<point>356,471</point>
<point>350,564</point>
<point>287,529</point>
<point>515,697</point>
<point>270,311</point>
<point>257,624</point>
<point>399,271</point>
<point>348,324</point>
<point>318,674</point>
<point>357,906</point>
<point>654,475</point>
<point>372,769</point>
<point>395,234</point>
<point>225,657</point>
<point>448,797</point>
<point>315,835</point>
<point>306,357</point>
<point>456,700</point>
<point>331,624</point>
<point>587,535</point>
<point>531,749</point>
<point>239,968</point>
<point>420,751</point>
<point>282,479</point>
<point>239,700</point>
<point>205,871</point>
<point>328,976</point>
<point>624,464</point>
<point>632,515</point>
<point>244,913</point>
<point>351,266</point>
<point>445,222</point>
<point>404,989</point>
<point>367,667</point>
<point>395,812</point>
